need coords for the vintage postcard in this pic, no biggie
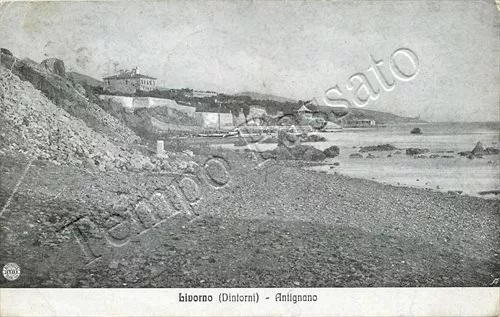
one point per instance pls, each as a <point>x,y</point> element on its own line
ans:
<point>250,154</point>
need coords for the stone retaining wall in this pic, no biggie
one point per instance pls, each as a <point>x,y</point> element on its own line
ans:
<point>147,102</point>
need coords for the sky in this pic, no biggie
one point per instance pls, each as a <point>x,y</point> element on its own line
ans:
<point>296,50</point>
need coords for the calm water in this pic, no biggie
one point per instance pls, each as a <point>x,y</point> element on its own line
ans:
<point>457,173</point>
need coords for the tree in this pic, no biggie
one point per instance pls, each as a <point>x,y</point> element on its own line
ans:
<point>246,111</point>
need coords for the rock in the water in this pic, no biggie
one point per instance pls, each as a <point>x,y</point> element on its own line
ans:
<point>6,51</point>
<point>478,149</point>
<point>381,147</point>
<point>55,66</point>
<point>465,153</point>
<point>314,138</point>
<point>355,155</point>
<point>313,154</point>
<point>298,152</point>
<point>416,151</point>
<point>491,151</point>
<point>416,131</point>
<point>332,151</point>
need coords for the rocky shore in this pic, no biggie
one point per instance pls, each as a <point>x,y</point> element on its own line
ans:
<point>273,225</point>
<point>72,131</point>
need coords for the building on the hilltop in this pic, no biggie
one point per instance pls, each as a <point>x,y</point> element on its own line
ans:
<point>361,123</point>
<point>203,94</point>
<point>129,82</point>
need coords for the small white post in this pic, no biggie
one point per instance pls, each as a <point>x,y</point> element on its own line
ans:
<point>160,150</point>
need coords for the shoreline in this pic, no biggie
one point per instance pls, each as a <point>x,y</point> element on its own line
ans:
<point>492,194</point>
<point>267,220</point>
<point>441,168</point>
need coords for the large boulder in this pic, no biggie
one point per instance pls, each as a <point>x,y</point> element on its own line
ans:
<point>287,139</point>
<point>332,151</point>
<point>318,123</point>
<point>298,152</point>
<point>282,153</point>
<point>55,66</point>
<point>306,153</point>
<point>313,154</point>
<point>139,162</point>
<point>6,51</point>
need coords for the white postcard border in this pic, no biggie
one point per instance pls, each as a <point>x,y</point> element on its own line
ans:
<point>330,302</point>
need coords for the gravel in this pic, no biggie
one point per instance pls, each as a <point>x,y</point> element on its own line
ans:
<point>271,226</point>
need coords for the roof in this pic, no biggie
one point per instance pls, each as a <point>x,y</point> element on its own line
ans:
<point>128,75</point>
<point>304,109</point>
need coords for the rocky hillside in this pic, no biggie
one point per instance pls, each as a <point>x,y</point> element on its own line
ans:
<point>34,126</point>
<point>354,113</point>
<point>50,79</point>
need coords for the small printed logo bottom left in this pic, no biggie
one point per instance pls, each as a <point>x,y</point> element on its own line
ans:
<point>11,271</point>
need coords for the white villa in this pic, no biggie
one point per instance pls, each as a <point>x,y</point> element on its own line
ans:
<point>129,82</point>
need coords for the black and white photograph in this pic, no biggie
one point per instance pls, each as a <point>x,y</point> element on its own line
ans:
<point>249,144</point>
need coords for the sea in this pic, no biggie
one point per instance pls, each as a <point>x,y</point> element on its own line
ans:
<point>448,172</point>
